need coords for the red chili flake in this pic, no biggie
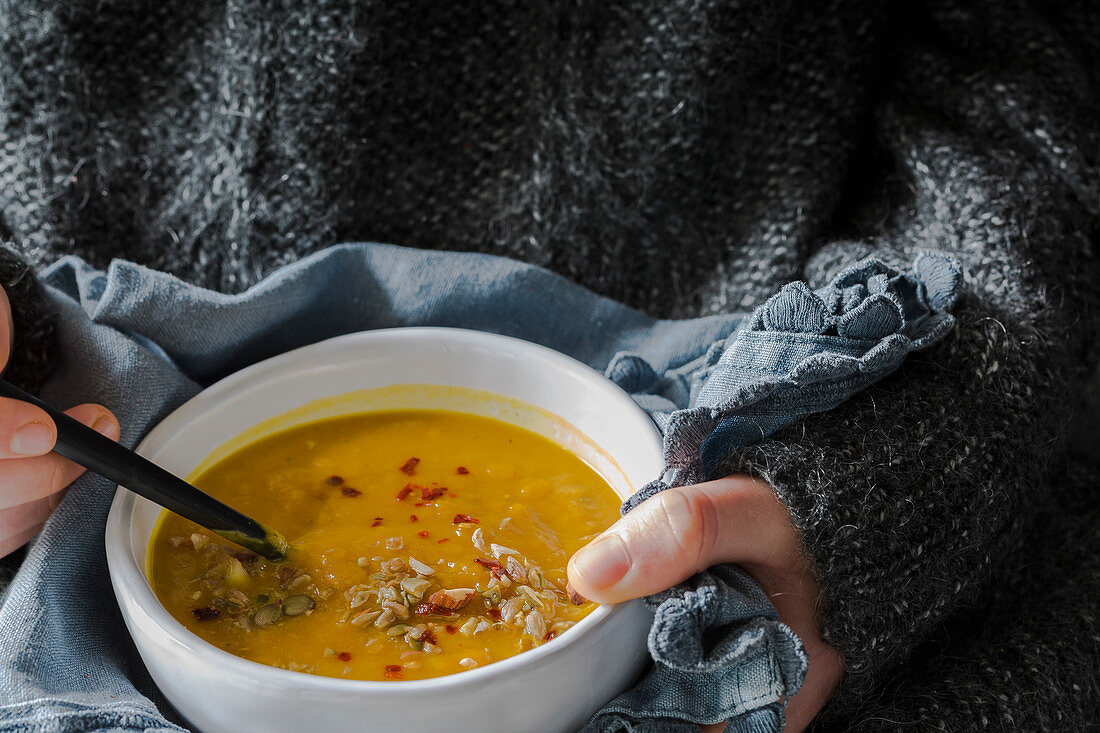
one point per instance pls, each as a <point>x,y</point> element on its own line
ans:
<point>494,613</point>
<point>409,468</point>
<point>414,518</point>
<point>453,494</point>
<point>393,672</point>
<point>405,491</point>
<point>429,636</point>
<point>377,522</point>
<point>206,614</point>
<point>445,539</point>
<point>423,533</point>
<point>550,635</point>
<point>465,519</point>
<point>487,563</point>
<point>462,471</point>
<point>335,481</point>
<point>246,557</point>
<point>286,573</point>
<point>421,503</point>
<point>450,628</point>
<point>344,656</point>
<point>426,609</point>
<point>348,491</point>
<point>433,493</point>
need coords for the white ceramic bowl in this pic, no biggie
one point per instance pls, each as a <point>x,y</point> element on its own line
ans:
<point>555,687</point>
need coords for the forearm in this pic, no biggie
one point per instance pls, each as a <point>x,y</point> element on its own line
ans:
<point>911,494</point>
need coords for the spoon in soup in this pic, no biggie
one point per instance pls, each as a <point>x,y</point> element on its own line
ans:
<point>82,445</point>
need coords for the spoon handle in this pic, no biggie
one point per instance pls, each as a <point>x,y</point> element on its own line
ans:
<point>98,453</point>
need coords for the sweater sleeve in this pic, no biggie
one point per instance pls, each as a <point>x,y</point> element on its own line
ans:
<point>32,351</point>
<point>914,493</point>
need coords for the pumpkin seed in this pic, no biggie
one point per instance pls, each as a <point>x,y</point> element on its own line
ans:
<point>491,595</point>
<point>267,614</point>
<point>297,605</point>
<point>531,597</point>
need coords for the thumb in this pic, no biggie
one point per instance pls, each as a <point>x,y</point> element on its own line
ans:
<point>680,531</point>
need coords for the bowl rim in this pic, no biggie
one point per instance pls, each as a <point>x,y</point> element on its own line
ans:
<point>128,577</point>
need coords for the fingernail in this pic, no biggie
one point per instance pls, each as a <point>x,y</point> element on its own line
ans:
<point>33,439</point>
<point>604,562</point>
<point>104,425</point>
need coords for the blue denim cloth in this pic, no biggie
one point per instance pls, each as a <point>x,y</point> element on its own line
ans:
<point>142,342</point>
<point>719,650</point>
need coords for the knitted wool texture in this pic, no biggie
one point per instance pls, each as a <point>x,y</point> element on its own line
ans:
<point>685,157</point>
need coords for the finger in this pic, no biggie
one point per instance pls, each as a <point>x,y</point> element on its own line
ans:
<point>678,532</point>
<point>7,329</point>
<point>9,545</point>
<point>18,520</point>
<point>29,479</point>
<point>25,430</point>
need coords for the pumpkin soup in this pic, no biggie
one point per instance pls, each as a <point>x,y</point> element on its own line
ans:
<point>424,543</point>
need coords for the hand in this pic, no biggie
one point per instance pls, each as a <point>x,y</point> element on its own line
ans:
<point>33,480</point>
<point>679,532</point>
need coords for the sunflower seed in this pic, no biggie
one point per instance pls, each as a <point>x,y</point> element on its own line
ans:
<point>415,587</point>
<point>467,663</point>
<point>385,619</point>
<point>515,570</point>
<point>399,611</point>
<point>500,550</point>
<point>361,599</point>
<point>365,618</point>
<point>299,581</point>
<point>511,608</point>
<point>478,538</point>
<point>535,626</point>
<point>420,567</point>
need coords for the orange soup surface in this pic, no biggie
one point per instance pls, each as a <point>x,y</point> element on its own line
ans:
<point>424,543</point>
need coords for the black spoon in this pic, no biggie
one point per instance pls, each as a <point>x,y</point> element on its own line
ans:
<point>80,444</point>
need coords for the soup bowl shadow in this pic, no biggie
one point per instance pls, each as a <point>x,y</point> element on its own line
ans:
<point>554,687</point>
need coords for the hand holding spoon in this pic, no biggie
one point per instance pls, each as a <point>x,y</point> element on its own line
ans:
<point>111,460</point>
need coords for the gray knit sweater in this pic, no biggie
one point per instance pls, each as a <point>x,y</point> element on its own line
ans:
<point>687,157</point>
